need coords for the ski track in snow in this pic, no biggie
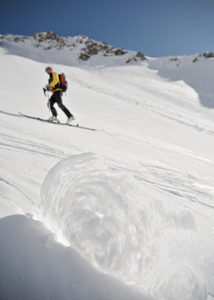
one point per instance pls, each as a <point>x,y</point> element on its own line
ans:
<point>16,187</point>
<point>160,110</point>
<point>175,182</point>
<point>16,144</point>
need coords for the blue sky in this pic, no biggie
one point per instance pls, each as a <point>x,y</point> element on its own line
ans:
<point>154,27</point>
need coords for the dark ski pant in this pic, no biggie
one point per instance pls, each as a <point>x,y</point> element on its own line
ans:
<point>56,98</point>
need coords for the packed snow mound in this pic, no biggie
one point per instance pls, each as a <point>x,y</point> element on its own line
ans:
<point>116,222</point>
<point>34,266</point>
<point>47,46</point>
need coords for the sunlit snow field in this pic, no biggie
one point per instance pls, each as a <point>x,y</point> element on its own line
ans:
<point>123,212</point>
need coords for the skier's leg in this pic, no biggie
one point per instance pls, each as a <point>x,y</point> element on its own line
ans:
<point>52,102</point>
<point>64,109</point>
<point>62,106</point>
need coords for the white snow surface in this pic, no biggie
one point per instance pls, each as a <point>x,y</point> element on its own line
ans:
<point>123,212</point>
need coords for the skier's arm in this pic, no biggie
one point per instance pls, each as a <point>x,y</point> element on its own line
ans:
<point>55,79</point>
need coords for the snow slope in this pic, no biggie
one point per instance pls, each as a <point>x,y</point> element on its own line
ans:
<point>125,212</point>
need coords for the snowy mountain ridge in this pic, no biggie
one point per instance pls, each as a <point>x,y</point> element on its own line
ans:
<point>82,48</point>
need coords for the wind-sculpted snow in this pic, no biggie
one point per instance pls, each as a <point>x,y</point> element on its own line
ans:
<point>34,266</point>
<point>123,229</point>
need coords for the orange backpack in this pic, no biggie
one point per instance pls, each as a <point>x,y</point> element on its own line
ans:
<point>62,82</point>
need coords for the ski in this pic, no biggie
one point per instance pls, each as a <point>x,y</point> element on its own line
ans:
<point>57,123</point>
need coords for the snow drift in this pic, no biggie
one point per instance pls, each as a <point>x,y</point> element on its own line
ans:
<point>115,222</point>
<point>34,266</point>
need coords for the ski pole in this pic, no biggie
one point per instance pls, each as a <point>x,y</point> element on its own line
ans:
<point>48,105</point>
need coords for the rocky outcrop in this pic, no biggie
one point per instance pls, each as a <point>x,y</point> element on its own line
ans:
<point>208,54</point>
<point>138,56</point>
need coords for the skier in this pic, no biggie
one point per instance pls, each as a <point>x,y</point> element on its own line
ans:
<point>54,86</point>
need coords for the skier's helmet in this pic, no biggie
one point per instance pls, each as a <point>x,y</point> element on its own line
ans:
<point>48,69</point>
